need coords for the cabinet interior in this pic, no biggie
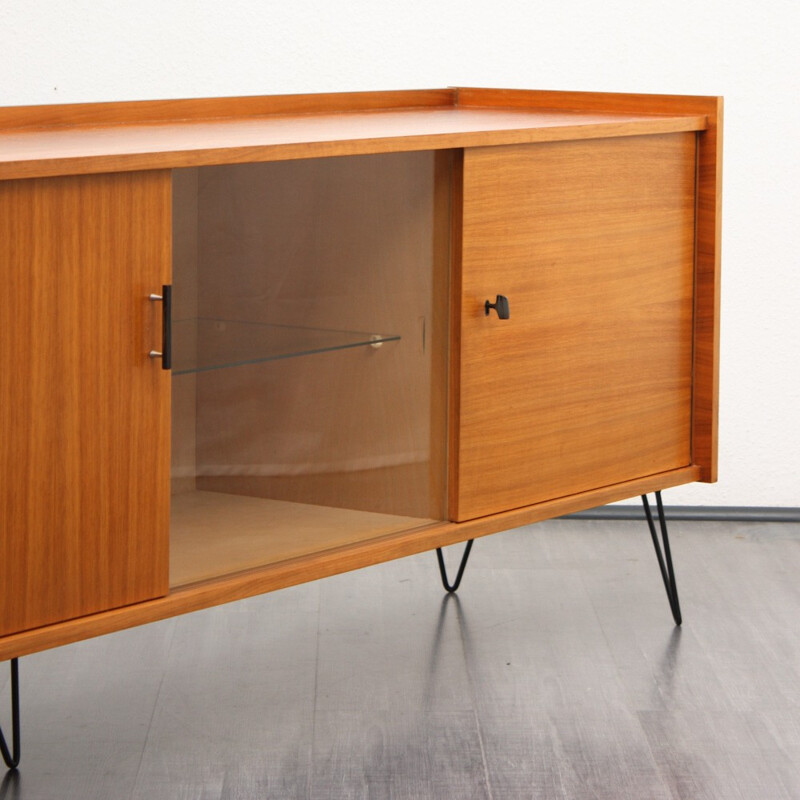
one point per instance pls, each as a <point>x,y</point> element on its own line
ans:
<point>310,302</point>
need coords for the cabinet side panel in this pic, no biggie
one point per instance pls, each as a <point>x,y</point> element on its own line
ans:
<point>84,451</point>
<point>589,382</point>
<point>707,302</point>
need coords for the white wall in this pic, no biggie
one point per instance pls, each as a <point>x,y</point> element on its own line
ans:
<point>58,51</point>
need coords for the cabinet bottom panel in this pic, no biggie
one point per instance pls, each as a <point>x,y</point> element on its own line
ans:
<point>213,533</point>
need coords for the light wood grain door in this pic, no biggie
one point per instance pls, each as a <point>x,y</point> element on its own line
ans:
<point>589,382</point>
<point>84,451</point>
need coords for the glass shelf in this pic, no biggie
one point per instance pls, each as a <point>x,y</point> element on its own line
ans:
<point>204,344</point>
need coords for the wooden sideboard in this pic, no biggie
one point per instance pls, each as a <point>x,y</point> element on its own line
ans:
<point>343,389</point>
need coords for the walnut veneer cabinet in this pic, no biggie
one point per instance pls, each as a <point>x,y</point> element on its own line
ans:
<point>250,342</point>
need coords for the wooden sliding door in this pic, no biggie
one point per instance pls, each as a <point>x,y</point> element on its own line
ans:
<point>589,381</point>
<point>84,411</point>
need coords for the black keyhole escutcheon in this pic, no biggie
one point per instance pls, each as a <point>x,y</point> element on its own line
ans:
<point>500,305</point>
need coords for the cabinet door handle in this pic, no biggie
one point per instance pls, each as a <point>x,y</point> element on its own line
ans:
<point>500,305</point>
<point>165,354</point>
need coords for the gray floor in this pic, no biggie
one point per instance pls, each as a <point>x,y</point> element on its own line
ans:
<point>556,673</point>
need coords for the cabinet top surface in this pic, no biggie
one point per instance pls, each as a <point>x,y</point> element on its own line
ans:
<point>102,137</point>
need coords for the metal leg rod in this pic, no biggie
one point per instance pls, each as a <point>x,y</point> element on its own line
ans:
<point>665,559</point>
<point>460,574</point>
<point>12,757</point>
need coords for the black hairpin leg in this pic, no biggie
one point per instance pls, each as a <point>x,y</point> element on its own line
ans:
<point>665,560</point>
<point>12,760</point>
<point>443,571</point>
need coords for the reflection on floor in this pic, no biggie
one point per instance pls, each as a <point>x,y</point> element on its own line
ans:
<point>555,673</point>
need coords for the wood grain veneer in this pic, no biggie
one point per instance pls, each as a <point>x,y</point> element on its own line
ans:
<point>215,534</point>
<point>598,102</point>
<point>84,452</point>
<point>705,402</point>
<point>206,108</point>
<point>707,294</point>
<point>589,383</point>
<point>228,588</point>
<point>90,477</point>
<point>73,150</point>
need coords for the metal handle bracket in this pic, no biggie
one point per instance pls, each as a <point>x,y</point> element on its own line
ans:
<point>165,354</point>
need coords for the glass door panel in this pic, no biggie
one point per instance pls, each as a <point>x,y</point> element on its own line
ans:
<point>309,352</point>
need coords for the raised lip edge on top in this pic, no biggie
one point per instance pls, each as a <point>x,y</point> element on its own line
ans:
<point>199,109</point>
